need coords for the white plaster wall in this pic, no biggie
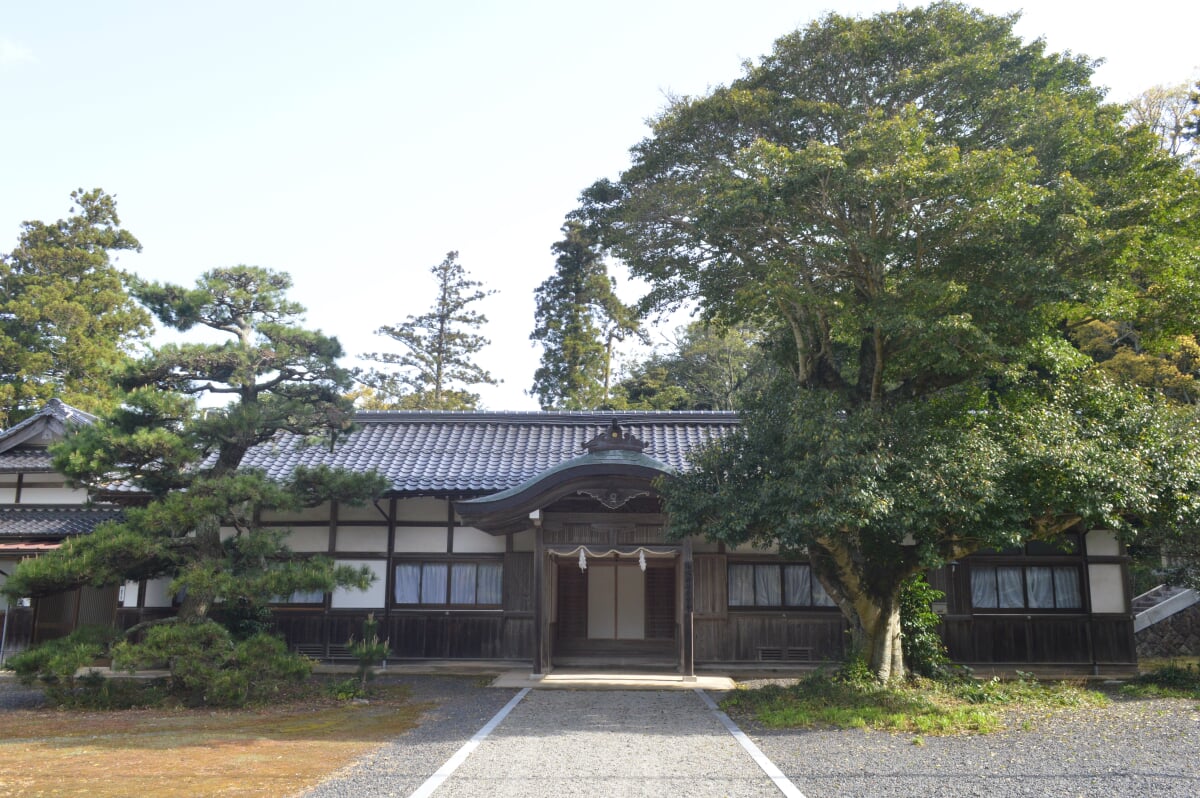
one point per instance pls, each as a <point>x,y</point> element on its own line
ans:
<point>468,540</point>
<point>1103,543</point>
<point>131,594</point>
<point>372,598</point>
<point>423,509</point>
<point>631,603</point>
<point>421,539</point>
<point>365,512</point>
<point>602,588</point>
<point>227,532</point>
<point>156,593</point>
<point>308,538</point>
<point>8,494</point>
<point>361,538</point>
<point>524,541</point>
<point>318,513</point>
<point>37,494</point>
<point>1107,588</point>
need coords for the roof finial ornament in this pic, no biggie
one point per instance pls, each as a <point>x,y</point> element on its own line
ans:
<point>614,438</point>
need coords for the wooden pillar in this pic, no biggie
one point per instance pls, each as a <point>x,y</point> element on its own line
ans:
<point>539,600</point>
<point>687,659</point>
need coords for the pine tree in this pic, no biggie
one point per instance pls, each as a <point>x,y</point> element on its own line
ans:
<point>200,525</point>
<point>578,321</point>
<point>438,367</point>
<point>66,318</point>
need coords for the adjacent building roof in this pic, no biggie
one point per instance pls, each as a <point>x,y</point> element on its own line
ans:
<point>52,521</point>
<point>23,445</point>
<point>460,454</point>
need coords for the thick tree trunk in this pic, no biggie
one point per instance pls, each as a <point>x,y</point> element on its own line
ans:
<point>881,640</point>
<point>198,600</point>
<point>871,605</point>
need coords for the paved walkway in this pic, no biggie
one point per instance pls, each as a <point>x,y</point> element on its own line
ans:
<point>556,743</point>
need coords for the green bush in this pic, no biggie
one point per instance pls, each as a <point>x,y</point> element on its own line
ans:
<point>924,652</point>
<point>207,667</point>
<point>368,650</point>
<point>53,664</point>
<point>1173,680</point>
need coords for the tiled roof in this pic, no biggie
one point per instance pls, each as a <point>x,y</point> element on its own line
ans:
<point>472,453</point>
<point>50,420</point>
<point>24,459</point>
<point>51,521</point>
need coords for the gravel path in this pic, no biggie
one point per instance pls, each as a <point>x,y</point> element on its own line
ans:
<point>667,743</point>
<point>609,743</point>
<point>461,707</point>
<point>1143,748</point>
<point>14,695</point>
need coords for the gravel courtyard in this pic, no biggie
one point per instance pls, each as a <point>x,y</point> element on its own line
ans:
<point>626,743</point>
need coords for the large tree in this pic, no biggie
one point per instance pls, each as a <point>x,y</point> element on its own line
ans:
<point>578,321</point>
<point>66,318</point>
<point>438,368</point>
<point>704,368</point>
<point>1169,112</point>
<point>929,207</point>
<point>200,526</point>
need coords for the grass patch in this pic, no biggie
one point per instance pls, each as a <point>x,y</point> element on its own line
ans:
<point>1178,679</point>
<point>270,750</point>
<point>922,707</point>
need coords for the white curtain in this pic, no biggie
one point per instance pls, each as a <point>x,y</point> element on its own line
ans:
<point>462,583</point>
<point>983,587</point>
<point>408,583</point>
<point>491,581</point>
<point>797,586</point>
<point>1040,580</point>
<point>741,585</point>
<point>766,586</point>
<point>1008,580</point>
<point>433,583</point>
<point>820,597</point>
<point>1066,587</point>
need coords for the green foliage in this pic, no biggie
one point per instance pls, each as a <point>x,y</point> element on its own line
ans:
<point>1173,680</point>
<point>707,369</point>
<point>578,321</point>
<point>208,667</point>
<point>53,665</point>
<point>925,209</point>
<point>924,651</point>
<point>66,318</point>
<point>441,346</point>
<point>857,701</point>
<point>285,386</point>
<point>369,650</point>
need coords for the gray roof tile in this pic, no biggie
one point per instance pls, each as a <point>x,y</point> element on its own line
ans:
<point>52,521</point>
<point>467,453</point>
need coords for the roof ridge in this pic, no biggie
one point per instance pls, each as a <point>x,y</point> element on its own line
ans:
<point>549,416</point>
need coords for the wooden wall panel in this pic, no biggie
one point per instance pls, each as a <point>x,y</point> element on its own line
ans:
<point>1113,641</point>
<point>711,585</point>
<point>517,639</point>
<point>518,582</point>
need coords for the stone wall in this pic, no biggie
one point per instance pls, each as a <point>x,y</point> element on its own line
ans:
<point>1178,635</point>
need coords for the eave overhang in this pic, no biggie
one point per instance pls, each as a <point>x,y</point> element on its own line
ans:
<point>608,471</point>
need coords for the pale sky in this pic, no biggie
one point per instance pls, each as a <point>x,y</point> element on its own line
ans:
<point>353,144</point>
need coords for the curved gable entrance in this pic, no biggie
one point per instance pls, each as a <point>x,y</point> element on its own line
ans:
<point>608,584</point>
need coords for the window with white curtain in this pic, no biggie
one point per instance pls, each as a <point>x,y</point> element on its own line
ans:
<point>775,585</point>
<point>454,584</point>
<point>1038,587</point>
